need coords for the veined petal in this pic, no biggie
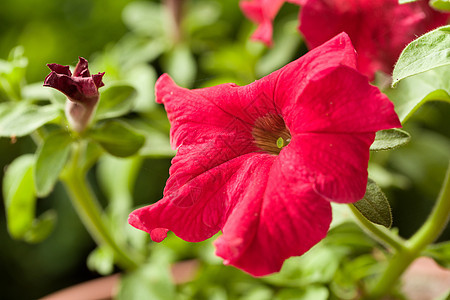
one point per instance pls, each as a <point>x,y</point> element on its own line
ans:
<point>198,209</point>
<point>197,115</point>
<point>341,100</point>
<point>336,164</point>
<point>279,217</point>
<point>292,78</point>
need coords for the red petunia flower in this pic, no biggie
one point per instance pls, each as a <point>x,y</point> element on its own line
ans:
<point>263,12</point>
<point>262,162</point>
<point>379,29</point>
<point>81,89</point>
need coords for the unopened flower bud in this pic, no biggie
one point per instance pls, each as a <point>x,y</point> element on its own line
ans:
<point>81,90</point>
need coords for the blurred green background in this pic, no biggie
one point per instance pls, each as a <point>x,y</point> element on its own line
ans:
<point>214,48</point>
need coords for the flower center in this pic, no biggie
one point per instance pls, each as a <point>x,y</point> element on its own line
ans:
<point>270,133</point>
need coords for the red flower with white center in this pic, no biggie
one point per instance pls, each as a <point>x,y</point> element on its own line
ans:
<point>379,29</point>
<point>81,90</point>
<point>262,162</point>
<point>263,12</point>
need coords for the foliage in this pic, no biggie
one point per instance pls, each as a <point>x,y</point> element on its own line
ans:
<point>128,141</point>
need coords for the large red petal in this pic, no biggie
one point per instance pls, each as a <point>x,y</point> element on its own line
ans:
<point>336,164</point>
<point>278,217</point>
<point>341,100</point>
<point>292,78</point>
<point>199,208</point>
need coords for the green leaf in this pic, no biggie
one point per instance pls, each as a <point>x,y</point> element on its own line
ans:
<point>440,253</point>
<point>101,260</point>
<point>117,138</point>
<point>143,78</point>
<point>12,75</point>
<point>390,139</point>
<point>22,118</point>
<point>51,158</point>
<point>181,65</point>
<point>19,195</point>
<point>311,293</point>
<point>443,5</point>
<point>115,101</point>
<point>285,47</point>
<point>429,51</point>
<point>413,92</point>
<point>150,281</point>
<point>374,206</point>
<point>145,18</point>
<point>41,227</point>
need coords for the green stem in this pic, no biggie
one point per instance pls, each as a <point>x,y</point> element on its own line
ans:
<point>381,234</point>
<point>89,210</point>
<point>429,232</point>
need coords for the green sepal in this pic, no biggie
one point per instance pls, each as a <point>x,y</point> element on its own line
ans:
<point>117,138</point>
<point>440,253</point>
<point>50,160</point>
<point>390,139</point>
<point>21,118</point>
<point>374,206</point>
<point>429,51</point>
<point>443,5</point>
<point>115,101</point>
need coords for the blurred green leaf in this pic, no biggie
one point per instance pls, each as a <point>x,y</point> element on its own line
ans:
<point>19,195</point>
<point>348,235</point>
<point>12,75</point>
<point>258,293</point>
<point>20,202</point>
<point>180,64</point>
<point>21,118</point>
<point>101,260</point>
<point>374,206</point>
<point>41,227</point>
<point>312,292</point>
<point>145,18</point>
<point>443,5</point>
<point>119,190</point>
<point>429,51</point>
<point>440,253</point>
<point>115,101</point>
<point>150,281</point>
<point>390,139</point>
<point>286,43</point>
<point>143,78</point>
<point>92,152</point>
<point>414,91</point>
<point>50,160</point>
<point>117,138</point>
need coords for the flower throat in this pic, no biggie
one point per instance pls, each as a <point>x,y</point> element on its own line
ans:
<point>270,133</point>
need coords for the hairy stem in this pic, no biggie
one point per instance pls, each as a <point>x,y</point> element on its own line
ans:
<point>382,235</point>
<point>428,233</point>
